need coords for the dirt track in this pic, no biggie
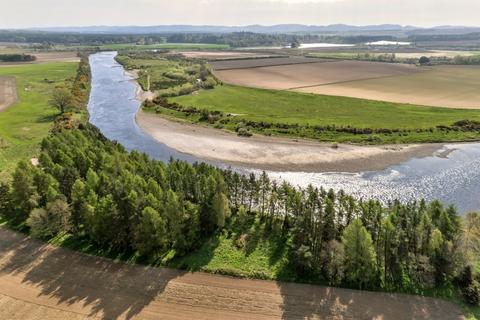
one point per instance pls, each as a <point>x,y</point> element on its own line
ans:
<point>38,281</point>
<point>8,92</point>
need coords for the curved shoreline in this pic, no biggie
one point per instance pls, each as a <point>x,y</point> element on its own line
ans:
<point>274,153</point>
<point>271,153</point>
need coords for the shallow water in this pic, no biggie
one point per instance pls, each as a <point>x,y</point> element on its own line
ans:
<point>452,177</point>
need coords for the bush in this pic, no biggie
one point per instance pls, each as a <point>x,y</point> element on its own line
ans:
<point>46,223</point>
<point>244,132</point>
<point>471,294</point>
<point>469,286</point>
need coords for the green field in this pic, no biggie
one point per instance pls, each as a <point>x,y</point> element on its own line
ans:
<point>308,110</point>
<point>24,124</point>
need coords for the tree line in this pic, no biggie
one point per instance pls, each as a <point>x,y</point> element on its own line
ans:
<point>14,57</point>
<point>252,39</point>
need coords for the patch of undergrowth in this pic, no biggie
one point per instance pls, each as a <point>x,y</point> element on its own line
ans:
<point>246,249</point>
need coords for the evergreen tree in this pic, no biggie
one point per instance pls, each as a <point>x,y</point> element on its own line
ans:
<point>360,266</point>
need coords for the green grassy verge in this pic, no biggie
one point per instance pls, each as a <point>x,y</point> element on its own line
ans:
<point>24,124</point>
<point>303,112</point>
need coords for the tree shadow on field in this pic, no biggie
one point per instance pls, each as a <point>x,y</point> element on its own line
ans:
<point>47,118</point>
<point>304,301</point>
<point>105,288</point>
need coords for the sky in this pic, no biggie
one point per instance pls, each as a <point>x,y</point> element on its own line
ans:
<point>50,13</point>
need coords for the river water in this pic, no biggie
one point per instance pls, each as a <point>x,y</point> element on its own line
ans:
<point>452,175</point>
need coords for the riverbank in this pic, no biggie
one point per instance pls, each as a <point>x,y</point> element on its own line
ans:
<point>273,153</point>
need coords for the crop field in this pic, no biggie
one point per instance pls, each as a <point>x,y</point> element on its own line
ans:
<point>443,86</point>
<point>257,63</point>
<point>24,124</point>
<point>299,75</point>
<point>46,57</point>
<point>452,86</point>
<point>222,55</point>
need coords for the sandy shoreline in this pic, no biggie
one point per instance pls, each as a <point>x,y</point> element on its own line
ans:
<point>273,153</point>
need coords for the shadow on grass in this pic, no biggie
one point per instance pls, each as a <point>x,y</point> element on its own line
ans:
<point>105,288</point>
<point>47,118</point>
<point>199,258</point>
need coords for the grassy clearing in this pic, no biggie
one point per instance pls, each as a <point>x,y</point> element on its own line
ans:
<point>308,110</point>
<point>248,251</point>
<point>24,124</point>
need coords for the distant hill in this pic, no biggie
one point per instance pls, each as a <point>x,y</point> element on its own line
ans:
<point>281,28</point>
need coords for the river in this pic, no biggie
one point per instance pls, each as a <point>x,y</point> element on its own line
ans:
<point>451,175</point>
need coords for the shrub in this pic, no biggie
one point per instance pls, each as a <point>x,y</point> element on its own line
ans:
<point>46,223</point>
<point>244,132</point>
<point>471,294</point>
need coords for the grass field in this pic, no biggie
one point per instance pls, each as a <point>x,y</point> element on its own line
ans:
<point>24,124</point>
<point>291,107</point>
<point>310,110</point>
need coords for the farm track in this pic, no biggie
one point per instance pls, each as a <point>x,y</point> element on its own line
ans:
<point>8,92</point>
<point>39,281</point>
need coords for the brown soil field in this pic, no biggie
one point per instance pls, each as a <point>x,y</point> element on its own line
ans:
<point>258,63</point>
<point>39,281</point>
<point>8,92</point>
<point>443,86</point>
<point>220,55</point>
<point>45,57</point>
<point>293,76</point>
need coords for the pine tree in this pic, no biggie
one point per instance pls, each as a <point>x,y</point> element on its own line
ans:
<point>360,267</point>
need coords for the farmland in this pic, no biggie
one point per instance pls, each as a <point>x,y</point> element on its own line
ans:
<point>442,86</point>
<point>445,86</point>
<point>24,124</point>
<point>296,74</point>
<point>258,63</point>
<point>310,110</point>
<point>278,111</point>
